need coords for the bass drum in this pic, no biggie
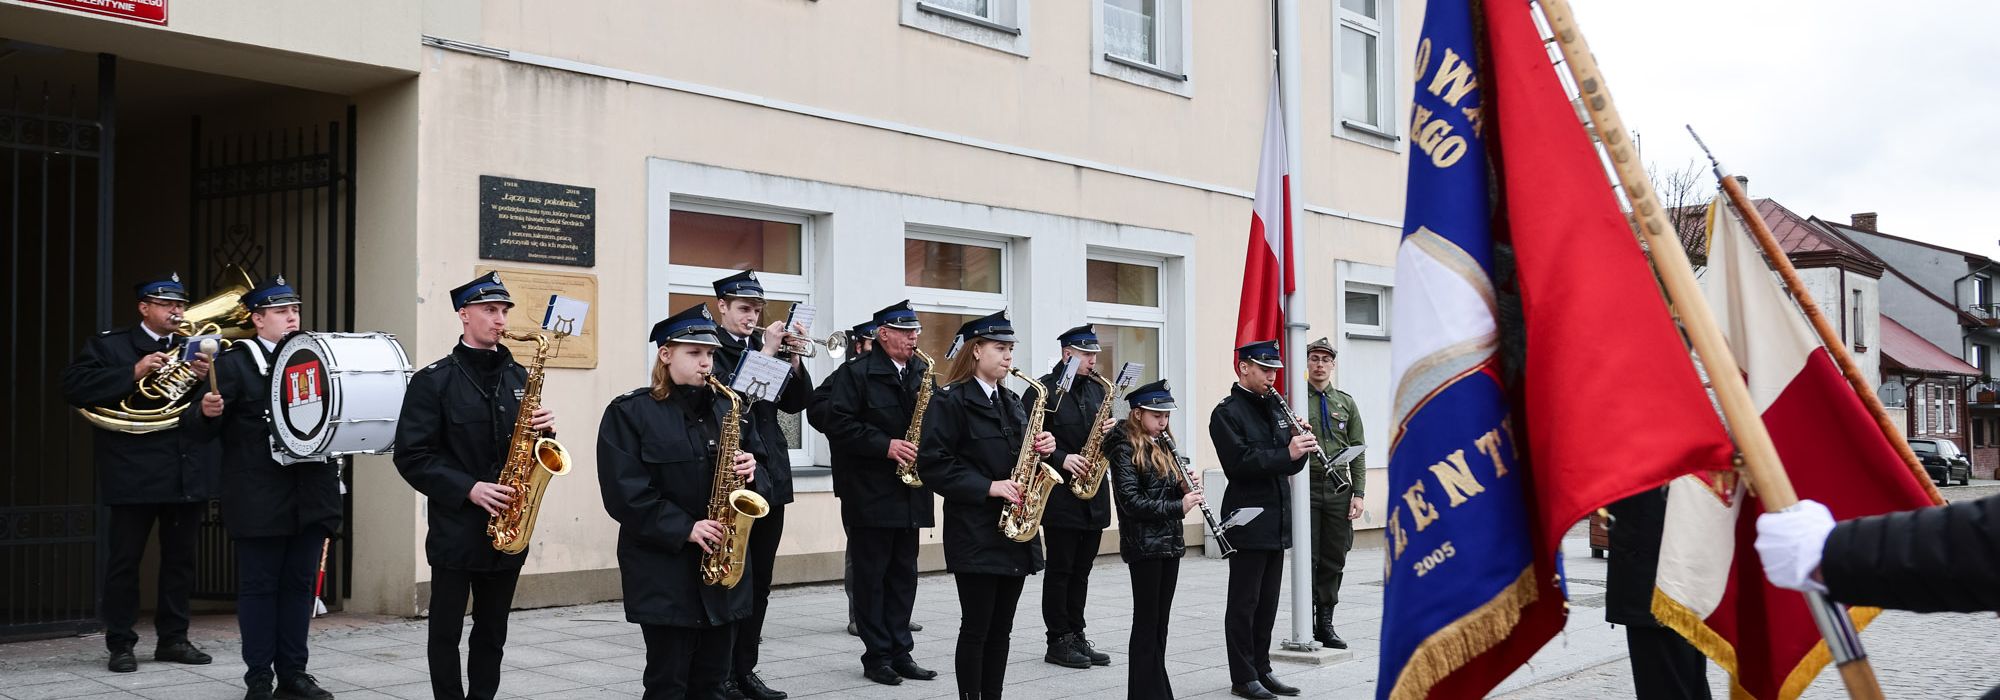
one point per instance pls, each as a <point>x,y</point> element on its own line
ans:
<point>335,394</point>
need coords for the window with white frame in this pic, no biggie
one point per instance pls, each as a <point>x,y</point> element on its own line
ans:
<point>1363,72</point>
<point>1144,42</point>
<point>1365,308</point>
<point>1922,405</point>
<point>953,278</point>
<point>1123,305</point>
<point>1856,332</point>
<point>1949,406</point>
<point>995,24</point>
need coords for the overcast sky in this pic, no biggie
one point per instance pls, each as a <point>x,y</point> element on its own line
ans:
<point>1831,107</point>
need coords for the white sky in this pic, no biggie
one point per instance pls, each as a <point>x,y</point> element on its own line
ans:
<point>1830,107</point>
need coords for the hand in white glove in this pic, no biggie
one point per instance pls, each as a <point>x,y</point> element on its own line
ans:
<point>1789,541</point>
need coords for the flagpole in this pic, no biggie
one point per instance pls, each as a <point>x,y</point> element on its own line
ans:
<point>1746,424</point>
<point>1290,62</point>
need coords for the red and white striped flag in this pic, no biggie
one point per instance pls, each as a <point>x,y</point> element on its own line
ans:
<point>1267,266</point>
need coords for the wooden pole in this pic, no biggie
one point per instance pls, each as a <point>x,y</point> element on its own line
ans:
<point>1834,347</point>
<point>1746,424</point>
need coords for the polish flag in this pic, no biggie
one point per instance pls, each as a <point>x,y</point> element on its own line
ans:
<point>1267,266</point>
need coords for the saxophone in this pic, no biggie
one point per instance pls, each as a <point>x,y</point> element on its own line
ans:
<point>1020,521</point>
<point>1085,487</point>
<point>531,461</point>
<point>735,507</point>
<point>907,471</point>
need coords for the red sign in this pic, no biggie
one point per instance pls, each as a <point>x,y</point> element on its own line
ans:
<point>148,11</point>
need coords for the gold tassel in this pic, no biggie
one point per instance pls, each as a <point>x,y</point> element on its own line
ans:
<point>1456,644</point>
<point>1671,613</point>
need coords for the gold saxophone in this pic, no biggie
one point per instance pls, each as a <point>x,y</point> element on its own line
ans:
<point>907,471</point>
<point>729,504</point>
<point>1020,521</point>
<point>1085,487</point>
<point>531,461</point>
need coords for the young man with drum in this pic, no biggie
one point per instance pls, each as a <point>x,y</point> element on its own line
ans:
<point>280,516</point>
<point>451,442</point>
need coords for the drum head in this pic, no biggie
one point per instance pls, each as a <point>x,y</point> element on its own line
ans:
<point>300,395</point>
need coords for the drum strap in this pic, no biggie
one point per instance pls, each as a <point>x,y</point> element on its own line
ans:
<point>257,356</point>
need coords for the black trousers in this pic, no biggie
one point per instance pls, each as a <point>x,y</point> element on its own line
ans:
<point>127,531</point>
<point>1665,666</point>
<point>884,589</point>
<point>275,577</point>
<point>1153,582</point>
<point>686,662</point>
<point>492,593</point>
<point>764,538</point>
<point>986,604</point>
<point>1067,581</point>
<point>1254,578</point>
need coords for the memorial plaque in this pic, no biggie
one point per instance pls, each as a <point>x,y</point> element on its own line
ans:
<point>531,290</point>
<point>539,222</point>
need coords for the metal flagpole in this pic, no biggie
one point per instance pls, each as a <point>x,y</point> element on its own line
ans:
<point>1746,425</point>
<point>1290,66</point>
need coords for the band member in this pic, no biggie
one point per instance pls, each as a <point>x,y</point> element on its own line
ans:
<point>1336,423</point>
<point>1152,503</point>
<point>656,459</point>
<point>165,477</point>
<point>739,300</point>
<point>451,443</point>
<point>968,454</point>
<point>860,341</point>
<point>280,516</point>
<point>1073,527</point>
<point>864,408</point>
<point>1257,453</point>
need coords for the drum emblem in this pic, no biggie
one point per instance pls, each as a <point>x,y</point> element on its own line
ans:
<point>304,402</point>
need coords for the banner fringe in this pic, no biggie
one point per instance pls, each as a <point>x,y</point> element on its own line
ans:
<point>1454,645</point>
<point>1693,628</point>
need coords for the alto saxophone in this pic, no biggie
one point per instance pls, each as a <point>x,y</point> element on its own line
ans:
<point>907,470</point>
<point>1020,521</point>
<point>1085,487</point>
<point>734,507</point>
<point>531,461</point>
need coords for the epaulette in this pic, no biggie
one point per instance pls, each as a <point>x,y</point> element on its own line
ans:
<point>635,392</point>
<point>111,331</point>
<point>432,367</point>
<point>947,387</point>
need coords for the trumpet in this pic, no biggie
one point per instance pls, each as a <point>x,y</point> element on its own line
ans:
<point>836,345</point>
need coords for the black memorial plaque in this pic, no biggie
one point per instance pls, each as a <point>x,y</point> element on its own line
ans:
<point>538,222</point>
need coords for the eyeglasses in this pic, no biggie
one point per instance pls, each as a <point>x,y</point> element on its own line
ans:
<point>171,305</point>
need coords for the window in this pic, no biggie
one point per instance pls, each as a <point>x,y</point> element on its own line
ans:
<point>1123,304</point>
<point>995,24</point>
<point>1365,310</point>
<point>953,279</point>
<point>1923,409</point>
<point>1949,407</point>
<point>1363,71</point>
<point>1856,332</point>
<point>1123,283</point>
<point>1131,30</point>
<point>1144,42</point>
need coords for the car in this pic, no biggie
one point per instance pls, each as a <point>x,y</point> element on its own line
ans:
<point>1942,460</point>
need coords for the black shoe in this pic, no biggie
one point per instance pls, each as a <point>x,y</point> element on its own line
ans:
<point>1271,683</point>
<point>909,669</point>
<point>1089,651</point>
<point>916,627</point>
<point>730,692</point>
<point>122,661</point>
<point>852,630</point>
<point>1253,689</point>
<point>1062,652</point>
<point>182,652</point>
<point>260,687</point>
<point>302,687</point>
<point>882,674</point>
<point>753,688</point>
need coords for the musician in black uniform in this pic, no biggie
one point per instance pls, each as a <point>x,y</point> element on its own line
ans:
<point>971,436</point>
<point>1152,503</point>
<point>864,408</point>
<point>1257,453</point>
<point>280,516</point>
<point>1073,526</point>
<point>656,457</point>
<point>165,477</point>
<point>860,340</point>
<point>451,442</point>
<point>739,301</point>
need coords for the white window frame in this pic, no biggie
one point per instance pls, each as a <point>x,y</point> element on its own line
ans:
<point>1004,27</point>
<point>958,301</point>
<point>1173,43</point>
<point>1133,315</point>
<point>1385,131</point>
<point>1379,331</point>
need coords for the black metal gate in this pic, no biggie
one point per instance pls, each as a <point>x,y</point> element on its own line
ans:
<point>55,199</point>
<point>277,202</point>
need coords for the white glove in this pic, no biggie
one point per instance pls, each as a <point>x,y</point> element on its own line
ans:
<point>1789,541</point>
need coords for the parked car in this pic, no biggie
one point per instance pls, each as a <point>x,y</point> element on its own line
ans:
<point>1942,460</point>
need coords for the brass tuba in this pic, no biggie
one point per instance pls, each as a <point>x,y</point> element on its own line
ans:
<point>1020,521</point>
<point>531,461</point>
<point>734,507</point>
<point>160,398</point>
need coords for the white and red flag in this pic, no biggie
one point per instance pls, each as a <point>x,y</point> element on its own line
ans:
<point>1267,266</point>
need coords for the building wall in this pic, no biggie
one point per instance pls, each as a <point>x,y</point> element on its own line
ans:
<point>1836,291</point>
<point>1934,269</point>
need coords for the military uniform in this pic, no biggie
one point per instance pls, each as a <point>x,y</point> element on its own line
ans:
<point>1336,421</point>
<point>1254,452</point>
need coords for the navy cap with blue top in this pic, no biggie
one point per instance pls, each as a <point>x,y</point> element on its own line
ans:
<point>166,287</point>
<point>1262,352</point>
<point>273,292</point>
<point>1156,396</point>
<point>1081,338</point>
<point>742,285</point>
<point>692,326</point>
<point>864,329</point>
<point>899,316</point>
<point>486,288</point>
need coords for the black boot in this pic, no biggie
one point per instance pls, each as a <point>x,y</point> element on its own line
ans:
<point>1062,652</point>
<point>1323,629</point>
<point>1089,651</point>
<point>122,661</point>
<point>259,684</point>
<point>302,687</point>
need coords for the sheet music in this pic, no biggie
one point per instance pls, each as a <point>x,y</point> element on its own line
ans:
<point>189,346</point>
<point>1129,374</point>
<point>803,315</point>
<point>1240,517</point>
<point>1069,373</point>
<point>761,376</point>
<point>565,315</point>
<point>1348,455</point>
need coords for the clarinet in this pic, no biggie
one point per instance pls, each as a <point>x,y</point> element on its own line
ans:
<point>1342,482</point>
<point>1187,479</point>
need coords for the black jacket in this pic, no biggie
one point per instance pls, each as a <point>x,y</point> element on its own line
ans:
<point>968,444</point>
<point>260,497</point>
<point>860,408</point>
<point>179,465</point>
<point>655,467</point>
<point>1637,523</point>
<point>1256,456</point>
<point>1149,506</point>
<point>796,397</point>
<point>1072,422</point>
<point>454,432</point>
<point>1943,559</point>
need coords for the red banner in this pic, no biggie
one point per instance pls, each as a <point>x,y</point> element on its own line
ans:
<point>148,11</point>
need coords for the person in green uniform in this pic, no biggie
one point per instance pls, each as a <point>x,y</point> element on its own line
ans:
<point>1336,421</point>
